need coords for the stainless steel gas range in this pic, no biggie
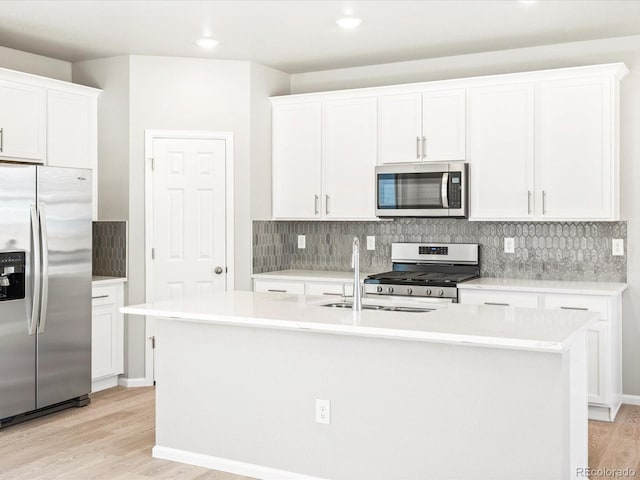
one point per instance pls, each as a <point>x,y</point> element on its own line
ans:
<point>427,271</point>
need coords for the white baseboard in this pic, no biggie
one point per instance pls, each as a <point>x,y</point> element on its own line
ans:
<point>104,383</point>
<point>134,382</point>
<point>226,465</point>
<point>631,399</point>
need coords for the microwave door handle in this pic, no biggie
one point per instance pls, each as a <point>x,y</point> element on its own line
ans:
<point>445,190</point>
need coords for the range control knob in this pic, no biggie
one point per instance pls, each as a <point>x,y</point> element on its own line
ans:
<point>440,292</point>
<point>390,289</point>
<point>409,291</point>
<point>379,289</point>
<point>428,291</point>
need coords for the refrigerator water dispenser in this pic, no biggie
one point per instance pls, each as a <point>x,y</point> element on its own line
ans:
<point>12,269</point>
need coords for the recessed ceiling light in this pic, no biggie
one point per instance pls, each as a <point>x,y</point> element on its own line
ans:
<point>207,42</point>
<point>349,22</point>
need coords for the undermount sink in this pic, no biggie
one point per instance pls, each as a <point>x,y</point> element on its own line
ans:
<point>386,308</point>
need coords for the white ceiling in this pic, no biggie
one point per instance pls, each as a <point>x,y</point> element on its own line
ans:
<point>301,36</point>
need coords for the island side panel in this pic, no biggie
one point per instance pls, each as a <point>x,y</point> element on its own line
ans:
<point>399,409</point>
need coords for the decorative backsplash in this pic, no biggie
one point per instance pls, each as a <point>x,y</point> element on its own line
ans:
<point>110,249</point>
<point>548,250</point>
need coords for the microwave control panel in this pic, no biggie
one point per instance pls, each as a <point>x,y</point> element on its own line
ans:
<point>455,190</point>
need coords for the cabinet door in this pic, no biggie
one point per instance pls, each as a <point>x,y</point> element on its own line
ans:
<point>574,149</point>
<point>103,342</point>
<point>22,120</point>
<point>349,158</point>
<point>399,128</point>
<point>443,125</point>
<point>501,152</point>
<point>596,362</point>
<point>68,130</point>
<point>107,331</point>
<point>296,160</point>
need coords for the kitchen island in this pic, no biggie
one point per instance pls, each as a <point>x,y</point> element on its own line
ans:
<point>463,391</point>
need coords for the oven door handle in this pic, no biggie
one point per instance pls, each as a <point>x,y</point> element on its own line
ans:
<point>444,190</point>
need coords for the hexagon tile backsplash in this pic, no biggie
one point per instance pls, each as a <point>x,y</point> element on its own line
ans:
<point>547,250</point>
<point>110,248</point>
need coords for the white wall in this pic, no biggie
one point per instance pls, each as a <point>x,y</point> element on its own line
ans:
<point>35,64</point>
<point>112,76</point>
<point>169,93</point>
<point>166,93</point>
<point>622,49</point>
<point>265,82</point>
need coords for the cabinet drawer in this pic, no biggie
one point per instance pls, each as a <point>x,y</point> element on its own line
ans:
<point>579,302</point>
<point>278,286</point>
<point>103,296</point>
<point>507,299</point>
<point>324,288</point>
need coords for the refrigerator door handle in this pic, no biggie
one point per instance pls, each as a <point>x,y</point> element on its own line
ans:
<point>37,275</point>
<point>42,217</point>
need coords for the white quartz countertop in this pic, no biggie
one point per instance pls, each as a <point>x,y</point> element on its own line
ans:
<point>544,286</point>
<point>305,275</point>
<point>98,280</point>
<point>479,325</point>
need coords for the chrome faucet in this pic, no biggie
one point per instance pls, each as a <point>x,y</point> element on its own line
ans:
<point>355,264</point>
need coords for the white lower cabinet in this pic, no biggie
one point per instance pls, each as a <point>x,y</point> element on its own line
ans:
<point>278,286</point>
<point>604,347</point>
<point>308,286</point>
<point>107,336</point>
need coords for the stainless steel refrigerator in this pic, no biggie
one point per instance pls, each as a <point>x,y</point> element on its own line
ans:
<point>45,290</point>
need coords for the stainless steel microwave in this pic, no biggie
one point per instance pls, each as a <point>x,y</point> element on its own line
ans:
<point>422,190</point>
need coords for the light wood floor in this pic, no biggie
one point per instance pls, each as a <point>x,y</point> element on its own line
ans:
<point>112,439</point>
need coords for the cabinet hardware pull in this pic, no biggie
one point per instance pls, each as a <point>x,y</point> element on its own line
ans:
<point>276,290</point>
<point>315,204</point>
<point>326,204</point>
<point>1,139</point>
<point>424,147</point>
<point>101,296</point>
<point>575,308</point>
<point>529,202</point>
<point>331,293</point>
<point>496,303</point>
<point>418,148</point>
<point>544,202</point>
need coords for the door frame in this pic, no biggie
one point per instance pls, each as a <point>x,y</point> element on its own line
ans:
<point>149,137</point>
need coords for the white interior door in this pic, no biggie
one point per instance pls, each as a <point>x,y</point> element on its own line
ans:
<point>189,224</point>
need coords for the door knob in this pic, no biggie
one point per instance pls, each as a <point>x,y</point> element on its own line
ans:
<point>218,270</point>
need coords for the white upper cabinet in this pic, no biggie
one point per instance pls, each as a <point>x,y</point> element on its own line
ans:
<point>421,127</point>
<point>576,147</point>
<point>297,153</point>
<point>501,151</point>
<point>69,127</point>
<point>324,156</point>
<point>541,146</point>
<point>443,125</point>
<point>399,128</point>
<point>49,122</point>
<point>349,158</point>
<point>22,122</point>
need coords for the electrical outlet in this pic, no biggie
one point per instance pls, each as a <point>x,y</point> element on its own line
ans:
<point>617,246</point>
<point>323,412</point>
<point>302,241</point>
<point>509,245</point>
<point>371,242</point>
